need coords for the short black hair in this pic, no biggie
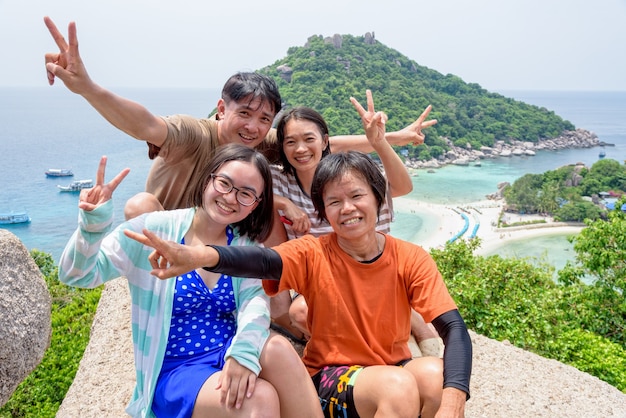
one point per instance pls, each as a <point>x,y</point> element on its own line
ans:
<point>252,86</point>
<point>336,165</point>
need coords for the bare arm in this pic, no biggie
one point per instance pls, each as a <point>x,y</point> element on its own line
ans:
<point>411,134</point>
<point>278,234</point>
<point>300,222</point>
<point>124,114</point>
<point>452,404</point>
<point>170,259</point>
<point>374,122</point>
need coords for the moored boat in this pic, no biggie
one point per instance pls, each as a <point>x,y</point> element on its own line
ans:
<point>59,172</point>
<point>14,218</point>
<point>76,186</point>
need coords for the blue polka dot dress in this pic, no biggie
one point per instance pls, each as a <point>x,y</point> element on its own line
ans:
<point>201,330</point>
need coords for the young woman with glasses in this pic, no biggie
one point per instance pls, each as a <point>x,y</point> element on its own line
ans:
<point>201,340</point>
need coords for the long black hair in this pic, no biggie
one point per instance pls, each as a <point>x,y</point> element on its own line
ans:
<point>299,113</point>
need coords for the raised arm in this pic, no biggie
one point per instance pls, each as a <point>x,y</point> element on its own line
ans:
<point>374,123</point>
<point>124,114</point>
<point>411,134</point>
<point>89,199</point>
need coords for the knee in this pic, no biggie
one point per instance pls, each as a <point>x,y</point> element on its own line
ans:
<point>141,203</point>
<point>403,392</point>
<point>265,398</point>
<point>298,311</point>
<point>279,349</point>
<point>430,382</point>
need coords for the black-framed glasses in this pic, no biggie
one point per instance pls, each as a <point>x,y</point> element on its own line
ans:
<point>223,185</point>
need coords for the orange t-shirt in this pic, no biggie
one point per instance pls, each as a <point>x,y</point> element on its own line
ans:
<point>359,313</point>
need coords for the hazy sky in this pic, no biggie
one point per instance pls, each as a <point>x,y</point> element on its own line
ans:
<point>499,44</point>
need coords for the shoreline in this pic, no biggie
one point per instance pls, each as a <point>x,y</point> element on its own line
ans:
<point>481,217</point>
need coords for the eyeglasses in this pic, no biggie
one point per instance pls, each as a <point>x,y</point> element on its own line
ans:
<point>223,185</point>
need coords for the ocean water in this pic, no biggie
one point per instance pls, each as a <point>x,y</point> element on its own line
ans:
<point>49,127</point>
<point>603,113</point>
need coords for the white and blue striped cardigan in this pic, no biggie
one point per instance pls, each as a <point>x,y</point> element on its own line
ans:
<point>95,254</point>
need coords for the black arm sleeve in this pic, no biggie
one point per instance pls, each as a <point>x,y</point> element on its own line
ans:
<point>457,356</point>
<point>248,261</point>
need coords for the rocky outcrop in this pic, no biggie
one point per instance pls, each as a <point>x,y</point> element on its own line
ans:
<point>25,324</point>
<point>580,138</point>
<point>506,381</point>
<point>285,72</point>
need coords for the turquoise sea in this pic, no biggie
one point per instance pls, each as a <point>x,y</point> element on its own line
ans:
<point>49,127</point>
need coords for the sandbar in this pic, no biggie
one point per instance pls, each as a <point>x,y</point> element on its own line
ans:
<point>480,219</point>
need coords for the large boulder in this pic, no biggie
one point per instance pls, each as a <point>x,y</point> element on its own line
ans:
<point>25,324</point>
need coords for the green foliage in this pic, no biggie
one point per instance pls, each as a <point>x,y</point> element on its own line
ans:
<point>559,191</point>
<point>325,77</point>
<point>524,193</point>
<point>601,249</point>
<point>603,176</point>
<point>42,392</point>
<point>577,212</point>
<point>592,354</point>
<point>515,300</point>
<point>502,298</point>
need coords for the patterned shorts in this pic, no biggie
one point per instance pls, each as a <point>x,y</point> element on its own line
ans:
<point>334,387</point>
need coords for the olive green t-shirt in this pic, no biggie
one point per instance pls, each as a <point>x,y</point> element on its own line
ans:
<point>189,146</point>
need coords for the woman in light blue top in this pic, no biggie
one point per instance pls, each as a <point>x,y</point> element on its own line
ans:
<point>201,340</point>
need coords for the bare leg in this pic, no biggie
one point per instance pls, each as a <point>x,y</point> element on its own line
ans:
<point>141,203</point>
<point>298,312</point>
<point>426,336</point>
<point>262,404</point>
<point>428,373</point>
<point>280,305</point>
<point>386,391</point>
<point>283,368</point>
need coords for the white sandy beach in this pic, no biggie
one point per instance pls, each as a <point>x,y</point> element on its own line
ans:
<point>482,217</point>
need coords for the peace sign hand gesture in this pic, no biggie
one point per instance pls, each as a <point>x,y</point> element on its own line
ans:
<point>90,198</point>
<point>373,122</point>
<point>66,64</point>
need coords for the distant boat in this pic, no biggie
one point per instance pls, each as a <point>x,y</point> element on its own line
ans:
<point>59,172</point>
<point>14,218</point>
<point>602,154</point>
<point>76,186</point>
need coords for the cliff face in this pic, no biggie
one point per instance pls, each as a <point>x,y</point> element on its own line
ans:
<point>506,381</point>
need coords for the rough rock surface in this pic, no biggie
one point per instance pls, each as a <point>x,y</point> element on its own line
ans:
<point>25,325</point>
<point>506,381</point>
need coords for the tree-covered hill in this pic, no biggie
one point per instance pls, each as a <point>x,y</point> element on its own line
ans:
<point>325,72</point>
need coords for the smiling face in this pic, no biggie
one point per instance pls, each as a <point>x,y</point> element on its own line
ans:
<point>351,206</point>
<point>303,144</point>
<point>224,208</point>
<point>245,122</point>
